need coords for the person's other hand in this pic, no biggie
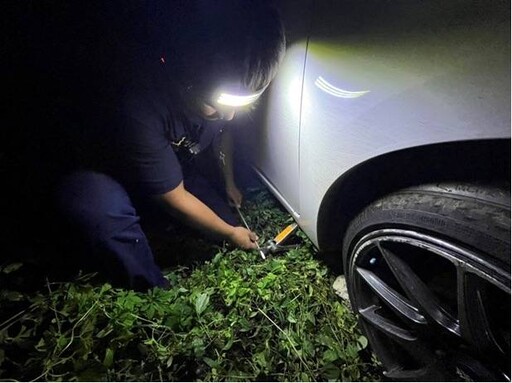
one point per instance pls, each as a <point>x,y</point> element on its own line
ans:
<point>243,238</point>
<point>235,197</point>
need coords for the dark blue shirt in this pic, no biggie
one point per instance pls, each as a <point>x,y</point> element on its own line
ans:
<point>139,120</point>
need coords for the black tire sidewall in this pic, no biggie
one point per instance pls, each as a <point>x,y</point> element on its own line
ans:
<point>470,223</point>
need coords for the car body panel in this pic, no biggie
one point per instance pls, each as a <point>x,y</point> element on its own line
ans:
<point>278,146</point>
<point>381,77</point>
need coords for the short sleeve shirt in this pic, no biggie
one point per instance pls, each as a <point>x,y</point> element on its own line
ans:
<point>140,130</point>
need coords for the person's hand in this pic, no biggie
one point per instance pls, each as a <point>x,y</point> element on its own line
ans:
<point>243,238</point>
<point>234,195</point>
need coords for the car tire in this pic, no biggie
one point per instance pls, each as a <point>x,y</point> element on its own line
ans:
<point>428,273</point>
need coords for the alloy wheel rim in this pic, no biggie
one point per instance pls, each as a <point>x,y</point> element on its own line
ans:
<point>431,308</point>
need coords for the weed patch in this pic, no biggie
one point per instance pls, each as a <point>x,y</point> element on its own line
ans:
<point>232,318</point>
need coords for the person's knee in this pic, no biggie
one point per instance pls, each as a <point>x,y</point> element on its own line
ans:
<point>94,202</point>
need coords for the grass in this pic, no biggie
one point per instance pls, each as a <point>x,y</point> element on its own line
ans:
<point>233,317</point>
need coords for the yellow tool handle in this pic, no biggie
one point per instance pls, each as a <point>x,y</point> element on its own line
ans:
<point>285,233</point>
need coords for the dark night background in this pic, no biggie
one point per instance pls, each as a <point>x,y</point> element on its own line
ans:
<point>55,56</point>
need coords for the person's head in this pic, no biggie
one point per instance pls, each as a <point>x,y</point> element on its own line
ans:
<point>224,53</point>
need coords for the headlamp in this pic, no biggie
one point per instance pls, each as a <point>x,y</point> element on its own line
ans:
<point>235,100</point>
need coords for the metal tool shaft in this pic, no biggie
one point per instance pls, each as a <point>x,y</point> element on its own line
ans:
<point>247,227</point>
<point>243,219</point>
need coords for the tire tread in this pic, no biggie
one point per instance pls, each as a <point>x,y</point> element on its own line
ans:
<point>481,223</point>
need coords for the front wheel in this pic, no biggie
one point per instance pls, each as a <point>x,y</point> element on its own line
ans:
<point>428,273</point>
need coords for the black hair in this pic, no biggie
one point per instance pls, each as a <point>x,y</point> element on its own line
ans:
<point>211,41</point>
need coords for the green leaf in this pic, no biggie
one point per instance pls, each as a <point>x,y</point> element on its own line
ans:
<point>40,346</point>
<point>260,359</point>
<point>13,296</point>
<point>307,347</point>
<point>104,331</point>
<point>332,373</point>
<point>330,356</point>
<point>350,351</point>
<point>311,318</point>
<point>202,303</point>
<point>228,345</point>
<point>253,314</point>
<point>210,362</point>
<point>198,347</point>
<point>217,258</point>
<point>363,342</point>
<point>108,360</point>
<point>11,267</point>
<point>244,324</point>
<point>150,312</point>
<point>106,287</point>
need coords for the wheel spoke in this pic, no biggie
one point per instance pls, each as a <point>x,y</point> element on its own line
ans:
<point>475,326</point>
<point>419,293</point>
<point>391,298</point>
<point>414,346</point>
<point>399,334</point>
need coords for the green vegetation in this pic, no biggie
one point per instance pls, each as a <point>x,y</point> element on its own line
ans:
<point>233,318</point>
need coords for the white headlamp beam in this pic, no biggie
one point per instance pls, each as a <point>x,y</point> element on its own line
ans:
<point>235,100</point>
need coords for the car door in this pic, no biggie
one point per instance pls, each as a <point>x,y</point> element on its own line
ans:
<point>277,152</point>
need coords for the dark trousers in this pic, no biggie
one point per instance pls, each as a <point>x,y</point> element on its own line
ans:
<point>107,220</point>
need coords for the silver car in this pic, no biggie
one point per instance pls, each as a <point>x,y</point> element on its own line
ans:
<point>386,135</point>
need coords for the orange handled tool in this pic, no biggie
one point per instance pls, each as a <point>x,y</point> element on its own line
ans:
<point>275,245</point>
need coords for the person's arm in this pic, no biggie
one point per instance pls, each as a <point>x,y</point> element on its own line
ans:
<point>226,162</point>
<point>186,207</point>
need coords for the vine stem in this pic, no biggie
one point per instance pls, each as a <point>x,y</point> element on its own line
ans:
<point>75,325</point>
<point>288,338</point>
